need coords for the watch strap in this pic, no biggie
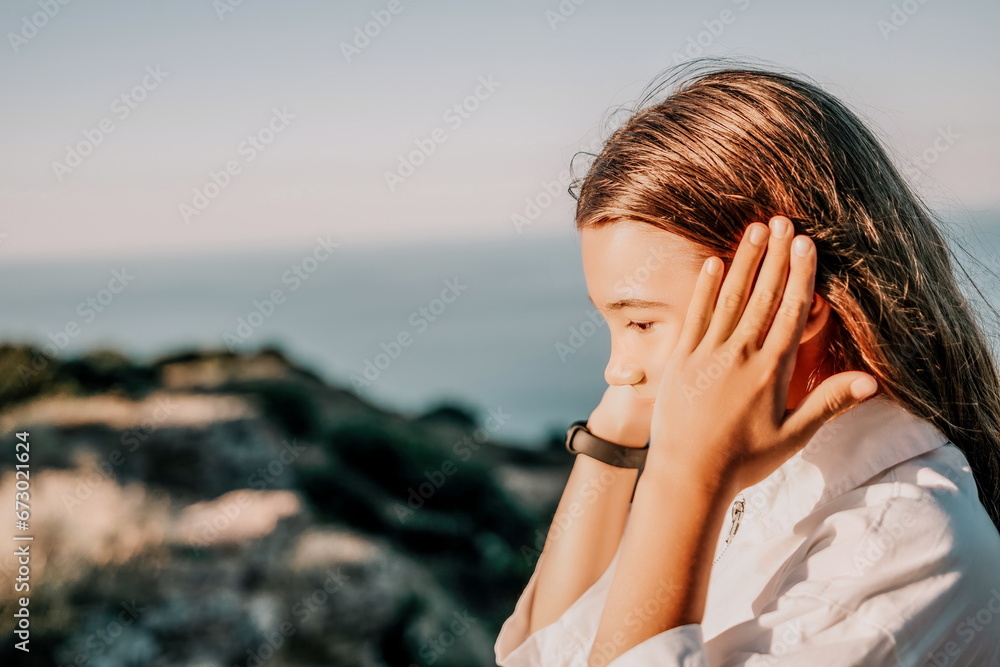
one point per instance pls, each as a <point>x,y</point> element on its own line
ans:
<point>581,441</point>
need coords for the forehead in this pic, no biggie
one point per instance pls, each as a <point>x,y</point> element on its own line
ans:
<point>622,248</point>
<point>631,259</point>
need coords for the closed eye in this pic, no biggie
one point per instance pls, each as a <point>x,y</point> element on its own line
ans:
<point>640,326</point>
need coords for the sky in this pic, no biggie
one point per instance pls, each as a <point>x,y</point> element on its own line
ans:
<point>219,125</point>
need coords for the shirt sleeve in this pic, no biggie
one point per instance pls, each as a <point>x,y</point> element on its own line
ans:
<point>682,646</point>
<point>566,641</point>
<point>898,583</point>
<point>810,632</point>
<point>793,630</point>
<point>890,583</point>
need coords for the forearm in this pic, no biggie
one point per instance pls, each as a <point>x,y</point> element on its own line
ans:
<point>661,581</point>
<point>586,528</point>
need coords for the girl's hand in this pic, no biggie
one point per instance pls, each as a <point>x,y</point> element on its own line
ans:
<point>621,418</point>
<point>720,416</point>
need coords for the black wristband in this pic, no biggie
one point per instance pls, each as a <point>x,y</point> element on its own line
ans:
<point>581,441</point>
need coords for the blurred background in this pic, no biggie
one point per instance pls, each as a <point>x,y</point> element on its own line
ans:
<point>293,314</point>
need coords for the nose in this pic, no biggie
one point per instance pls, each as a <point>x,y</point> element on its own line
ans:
<point>622,372</point>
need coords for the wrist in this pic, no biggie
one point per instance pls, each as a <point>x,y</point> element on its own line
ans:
<point>714,482</point>
<point>616,431</point>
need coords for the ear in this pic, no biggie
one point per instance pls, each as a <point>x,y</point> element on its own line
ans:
<point>819,315</point>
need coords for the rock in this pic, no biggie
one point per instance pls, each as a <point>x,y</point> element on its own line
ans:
<point>249,513</point>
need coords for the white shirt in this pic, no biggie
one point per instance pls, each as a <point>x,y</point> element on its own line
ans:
<point>869,546</point>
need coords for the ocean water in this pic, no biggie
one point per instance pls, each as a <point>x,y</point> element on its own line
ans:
<point>470,323</point>
<point>480,324</point>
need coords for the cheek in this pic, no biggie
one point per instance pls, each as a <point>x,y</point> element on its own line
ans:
<point>657,349</point>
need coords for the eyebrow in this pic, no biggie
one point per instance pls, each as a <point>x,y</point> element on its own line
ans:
<point>631,303</point>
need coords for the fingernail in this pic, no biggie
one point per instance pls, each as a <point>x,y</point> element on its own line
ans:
<point>863,387</point>
<point>778,227</point>
<point>800,246</point>
<point>757,234</point>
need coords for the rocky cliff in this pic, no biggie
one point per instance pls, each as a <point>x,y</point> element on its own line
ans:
<point>211,508</point>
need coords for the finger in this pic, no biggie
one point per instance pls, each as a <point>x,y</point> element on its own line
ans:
<point>833,396</point>
<point>769,290</point>
<point>736,287</point>
<point>782,337</point>
<point>699,312</point>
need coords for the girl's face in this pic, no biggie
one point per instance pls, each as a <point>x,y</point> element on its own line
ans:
<point>641,279</point>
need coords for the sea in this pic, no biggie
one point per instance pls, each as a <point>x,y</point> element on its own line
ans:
<point>501,326</point>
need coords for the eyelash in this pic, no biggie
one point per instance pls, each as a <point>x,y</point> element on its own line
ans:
<point>638,326</point>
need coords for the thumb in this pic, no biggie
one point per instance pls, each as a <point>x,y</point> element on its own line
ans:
<point>833,396</point>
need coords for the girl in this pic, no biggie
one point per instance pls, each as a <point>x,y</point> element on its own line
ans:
<point>822,478</point>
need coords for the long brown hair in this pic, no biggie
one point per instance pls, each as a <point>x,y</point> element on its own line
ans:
<point>732,145</point>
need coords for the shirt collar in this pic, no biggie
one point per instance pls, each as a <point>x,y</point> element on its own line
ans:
<point>845,452</point>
